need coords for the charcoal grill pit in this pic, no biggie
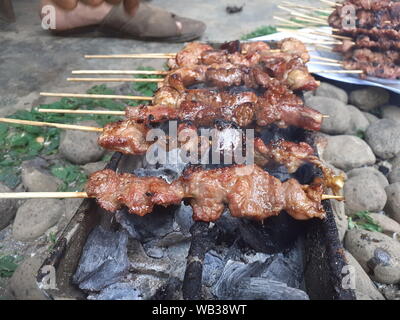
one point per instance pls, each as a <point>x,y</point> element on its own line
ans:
<point>323,253</point>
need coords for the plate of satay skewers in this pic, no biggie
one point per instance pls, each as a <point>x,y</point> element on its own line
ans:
<point>248,85</point>
<point>359,37</point>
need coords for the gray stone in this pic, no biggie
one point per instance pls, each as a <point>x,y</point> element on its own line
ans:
<point>358,121</point>
<point>39,180</point>
<point>364,193</point>
<point>8,208</point>
<point>378,254</point>
<point>35,216</point>
<point>369,172</point>
<point>104,260</point>
<point>369,98</point>
<point>347,152</point>
<point>339,214</point>
<point>391,112</point>
<point>393,204</point>
<point>388,225</point>
<point>339,115</point>
<point>81,147</point>
<point>330,91</point>
<point>370,117</point>
<point>23,284</point>
<point>383,138</point>
<point>364,286</point>
<point>394,175</point>
<point>89,168</point>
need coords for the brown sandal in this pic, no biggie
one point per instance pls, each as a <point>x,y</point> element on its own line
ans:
<point>152,23</point>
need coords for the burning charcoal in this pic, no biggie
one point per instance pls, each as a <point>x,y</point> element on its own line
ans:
<point>104,260</point>
<point>236,282</point>
<point>118,291</point>
<point>266,289</point>
<point>212,268</point>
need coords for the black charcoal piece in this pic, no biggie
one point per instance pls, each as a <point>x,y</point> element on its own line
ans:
<point>212,268</point>
<point>118,291</point>
<point>104,260</point>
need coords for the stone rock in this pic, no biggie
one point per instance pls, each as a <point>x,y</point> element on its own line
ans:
<point>393,203</point>
<point>369,98</point>
<point>89,168</point>
<point>394,175</point>
<point>23,284</point>
<point>364,193</point>
<point>388,225</point>
<point>339,115</point>
<point>358,121</point>
<point>340,218</point>
<point>365,288</point>
<point>383,138</point>
<point>8,208</point>
<point>81,147</point>
<point>347,152</point>
<point>391,112</point>
<point>367,172</point>
<point>370,117</point>
<point>330,91</point>
<point>35,216</point>
<point>378,254</point>
<point>39,180</point>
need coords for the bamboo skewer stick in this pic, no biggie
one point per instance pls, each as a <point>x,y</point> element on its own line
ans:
<point>94,96</point>
<point>293,5</point>
<point>325,59</point>
<point>43,195</point>
<point>339,71</point>
<point>298,14</point>
<point>333,64</point>
<point>131,56</point>
<point>307,34</point>
<point>84,195</point>
<point>295,24</point>
<point>114,72</point>
<point>69,111</point>
<point>115,79</point>
<point>331,3</point>
<point>51,124</point>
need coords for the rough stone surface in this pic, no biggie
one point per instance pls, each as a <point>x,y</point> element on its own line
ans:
<point>38,180</point>
<point>378,254</point>
<point>394,175</point>
<point>369,171</point>
<point>35,216</point>
<point>364,286</point>
<point>358,121</point>
<point>370,117</point>
<point>22,284</point>
<point>364,193</point>
<point>330,91</point>
<point>89,168</point>
<point>369,98</point>
<point>391,112</point>
<point>393,203</point>
<point>339,116</point>
<point>338,208</point>
<point>8,208</point>
<point>347,152</point>
<point>383,138</point>
<point>81,147</point>
<point>388,225</point>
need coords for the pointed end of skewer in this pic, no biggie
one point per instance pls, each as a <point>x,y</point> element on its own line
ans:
<point>332,197</point>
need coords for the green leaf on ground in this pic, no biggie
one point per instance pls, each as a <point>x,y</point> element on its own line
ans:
<point>8,265</point>
<point>363,220</point>
<point>261,31</point>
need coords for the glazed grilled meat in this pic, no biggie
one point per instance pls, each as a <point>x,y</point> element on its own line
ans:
<point>248,191</point>
<point>204,106</point>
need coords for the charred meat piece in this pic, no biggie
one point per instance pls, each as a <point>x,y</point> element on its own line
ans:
<point>248,191</point>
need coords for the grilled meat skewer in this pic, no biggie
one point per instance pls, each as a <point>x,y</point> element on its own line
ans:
<point>248,191</point>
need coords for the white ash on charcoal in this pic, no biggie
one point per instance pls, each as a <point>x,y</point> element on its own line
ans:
<point>378,254</point>
<point>104,260</point>
<point>383,138</point>
<point>369,98</point>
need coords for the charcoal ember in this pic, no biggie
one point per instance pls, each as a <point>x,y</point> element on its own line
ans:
<point>212,268</point>
<point>241,281</point>
<point>118,291</point>
<point>104,260</point>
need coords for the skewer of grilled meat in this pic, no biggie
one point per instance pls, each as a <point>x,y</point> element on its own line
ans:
<point>248,191</point>
<point>365,42</point>
<point>203,106</point>
<point>369,14</point>
<point>246,54</point>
